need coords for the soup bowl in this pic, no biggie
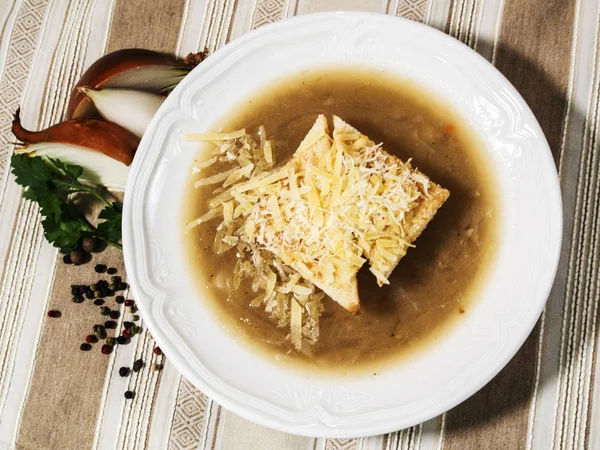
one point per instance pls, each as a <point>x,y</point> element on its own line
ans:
<point>442,374</point>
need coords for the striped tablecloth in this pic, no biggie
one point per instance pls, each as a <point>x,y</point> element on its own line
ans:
<point>52,396</point>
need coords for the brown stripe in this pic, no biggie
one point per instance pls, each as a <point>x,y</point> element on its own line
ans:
<point>143,24</point>
<point>534,52</point>
<point>496,417</point>
<point>62,405</point>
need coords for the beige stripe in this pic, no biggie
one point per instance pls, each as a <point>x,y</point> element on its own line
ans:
<point>575,354</point>
<point>583,336</point>
<point>143,24</point>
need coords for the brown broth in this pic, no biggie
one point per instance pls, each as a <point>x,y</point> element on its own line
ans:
<point>434,283</point>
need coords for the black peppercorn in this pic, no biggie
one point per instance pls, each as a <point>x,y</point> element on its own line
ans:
<point>127,325</point>
<point>75,290</point>
<point>98,327</point>
<point>85,347</point>
<point>129,395</point>
<point>105,310</point>
<point>137,365</point>
<point>111,341</point>
<point>110,324</point>
<point>89,294</point>
<point>115,315</point>
<point>120,299</point>
<point>67,259</point>
<point>77,257</point>
<point>88,244</point>
<point>121,340</point>
<point>100,268</point>
<point>99,302</point>
<point>124,371</point>
<point>111,271</point>
<point>77,299</point>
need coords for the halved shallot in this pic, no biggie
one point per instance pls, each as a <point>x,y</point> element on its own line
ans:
<point>103,149</point>
<point>131,68</point>
<point>105,137</point>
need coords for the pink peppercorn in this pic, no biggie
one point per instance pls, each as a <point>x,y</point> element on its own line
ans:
<point>106,349</point>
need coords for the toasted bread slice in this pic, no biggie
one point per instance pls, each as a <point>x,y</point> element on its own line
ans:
<point>312,148</point>
<point>415,220</point>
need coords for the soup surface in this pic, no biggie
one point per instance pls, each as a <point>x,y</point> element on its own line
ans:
<point>433,285</point>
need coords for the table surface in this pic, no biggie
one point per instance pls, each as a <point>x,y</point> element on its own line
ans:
<point>53,396</point>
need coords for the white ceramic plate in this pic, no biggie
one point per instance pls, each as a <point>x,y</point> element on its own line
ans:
<point>441,376</point>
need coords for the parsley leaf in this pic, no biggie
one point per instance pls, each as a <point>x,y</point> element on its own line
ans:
<point>51,184</point>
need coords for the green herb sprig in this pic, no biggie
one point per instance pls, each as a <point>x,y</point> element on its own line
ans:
<point>51,184</point>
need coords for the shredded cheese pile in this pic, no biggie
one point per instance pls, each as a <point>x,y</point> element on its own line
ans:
<point>338,203</point>
<point>288,298</point>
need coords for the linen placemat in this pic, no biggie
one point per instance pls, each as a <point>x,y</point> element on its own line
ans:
<point>53,396</point>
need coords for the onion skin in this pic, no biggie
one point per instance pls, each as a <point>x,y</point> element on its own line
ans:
<point>105,137</point>
<point>115,63</point>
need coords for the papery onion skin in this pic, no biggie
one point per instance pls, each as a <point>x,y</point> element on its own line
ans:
<point>111,65</point>
<point>104,137</point>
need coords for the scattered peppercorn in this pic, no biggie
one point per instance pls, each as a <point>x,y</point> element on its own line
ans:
<point>110,324</point>
<point>100,334</point>
<point>99,302</point>
<point>100,268</point>
<point>127,325</point>
<point>135,317</point>
<point>111,271</point>
<point>137,365</point>
<point>106,349</point>
<point>119,299</point>
<point>54,313</point>
<point>157,351</point>
<point>78,299</point>
<point>116,279</point>
<point>156,367</point>
<point>89,294</point>
<point>129,395</point>
<point>111,341</point>
<point>88,244</point>
<point>105,310</point>
<point>98,327</point>
<point>121,340</point>
<point>85,347</point>
<point>124,371</point>
<point>67,259</point>
<point>129,302</point>
<point>126,334</point>
<point>111,285</point>
<point>91,339</point>
<point>135,329</point>
<point>121,286</point>
<point>115,314</point>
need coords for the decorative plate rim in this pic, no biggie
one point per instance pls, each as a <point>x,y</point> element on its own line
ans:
<point>138,255</point>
